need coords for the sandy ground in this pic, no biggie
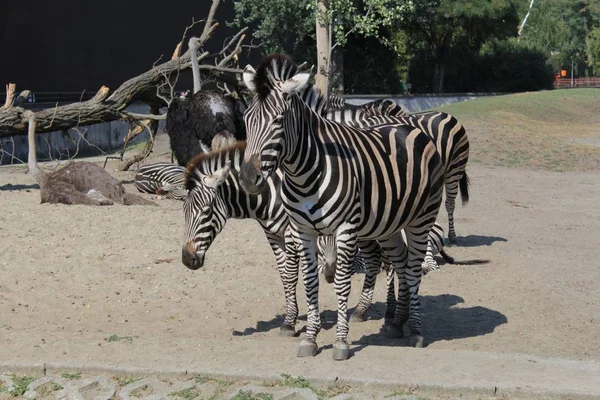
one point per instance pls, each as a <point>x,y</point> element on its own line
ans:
<point>78,274</point>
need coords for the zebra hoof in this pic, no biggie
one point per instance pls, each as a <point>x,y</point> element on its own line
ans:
<point>341,351</point>
<point>415,340</point>
<point>358,317</point>
<point>307,349</point>
<point>452,241</point>
<point>287,331</point>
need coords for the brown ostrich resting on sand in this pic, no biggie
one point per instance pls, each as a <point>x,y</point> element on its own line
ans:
<point>78,182</point>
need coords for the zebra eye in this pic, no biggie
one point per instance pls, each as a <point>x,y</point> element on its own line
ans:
<point>206,210</point>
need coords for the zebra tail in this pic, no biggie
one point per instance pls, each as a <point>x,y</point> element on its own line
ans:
<point>464,188</point>
<point>449,259</point>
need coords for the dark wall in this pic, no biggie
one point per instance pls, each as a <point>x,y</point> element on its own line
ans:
<point>75,45</point>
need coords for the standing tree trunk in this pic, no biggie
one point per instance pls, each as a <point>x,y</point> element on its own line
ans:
<point>323,46</point>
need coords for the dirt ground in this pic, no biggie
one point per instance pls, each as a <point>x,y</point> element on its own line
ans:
<point>85,273</point>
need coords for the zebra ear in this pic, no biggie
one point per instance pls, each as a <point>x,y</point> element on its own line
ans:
<point>296,83</point>
<point>248,78</point>
<point>218,177</point>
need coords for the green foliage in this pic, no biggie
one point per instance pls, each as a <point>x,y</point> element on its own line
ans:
<point>374,72</point>
<point>296,382</point>
<point>71,375</point>
<point>242,395</point>
<point>511,66</point>
<point>280,25</point>
<point>564,29</point>
<point>594,48</point>
<point>439,32</point>
<point>20,384</point>
<point>185,394</point>
<point>117,338</point>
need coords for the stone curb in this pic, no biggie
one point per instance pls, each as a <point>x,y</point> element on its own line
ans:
<point>44,369</point>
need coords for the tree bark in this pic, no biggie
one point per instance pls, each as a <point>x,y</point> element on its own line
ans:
<point>323,46</point>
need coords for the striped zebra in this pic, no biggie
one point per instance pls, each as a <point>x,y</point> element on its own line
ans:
<point>359,184</point>
<point>163,179</point>
<point>214,195</point>
<point>450,139</point>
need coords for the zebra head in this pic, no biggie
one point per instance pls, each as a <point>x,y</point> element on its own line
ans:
<point>204,211</point>
<point>275,80</point>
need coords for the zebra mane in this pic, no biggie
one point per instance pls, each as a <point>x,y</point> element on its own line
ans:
<point>208,163</point>
<point>279,68</point>
<point>273,68</point>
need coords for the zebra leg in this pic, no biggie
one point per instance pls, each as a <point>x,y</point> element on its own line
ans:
<point>451,193</point>
<point>390,304</point>
<point>291,281</point>
<point>346,242</point>
<point>279,250</point>
<point>396,252</point>
<point>306,246</point>
<point>417,241</point>
<point>371,254</point>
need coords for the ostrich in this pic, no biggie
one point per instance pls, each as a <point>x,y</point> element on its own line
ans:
<point>195,119</point>
<point>78,182</point>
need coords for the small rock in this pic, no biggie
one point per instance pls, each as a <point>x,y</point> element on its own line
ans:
<point>147,389</point>
<point>296,394</point>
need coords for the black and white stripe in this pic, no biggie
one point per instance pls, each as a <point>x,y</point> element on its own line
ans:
<point>359,184</point>
<point>163,179</point>
<point>451,141</point>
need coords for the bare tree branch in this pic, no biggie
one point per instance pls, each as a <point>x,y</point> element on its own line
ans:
<point>10,95</point>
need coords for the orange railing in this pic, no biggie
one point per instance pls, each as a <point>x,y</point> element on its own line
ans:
<point>564,83</point>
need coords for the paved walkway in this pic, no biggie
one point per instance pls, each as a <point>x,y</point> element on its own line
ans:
<point>455,372</point>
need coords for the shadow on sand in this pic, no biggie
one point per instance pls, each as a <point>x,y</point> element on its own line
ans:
<point>13,188</point>
<point>476,241</point>
<point>441,321</point>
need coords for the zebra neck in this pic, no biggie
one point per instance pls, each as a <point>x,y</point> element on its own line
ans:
<point>306,160</point>
<point>216,160</point>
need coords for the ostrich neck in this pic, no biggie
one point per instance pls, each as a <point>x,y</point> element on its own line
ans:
<point>38,174</point>
<point>195,66</point>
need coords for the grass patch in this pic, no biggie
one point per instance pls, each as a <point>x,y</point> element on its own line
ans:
<point>126,380</point>
<point>20,384</point>
<point>186,394</point>
<point>202,379</point>
<point>301,383</point>
<point>242,395</point>
<point>71,375</point>
<point>535,130</point>
<point>47,389</point>
<point>117,338</point>
<point>296,382</point>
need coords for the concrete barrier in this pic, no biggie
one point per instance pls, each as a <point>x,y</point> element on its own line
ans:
<point>419,102</point>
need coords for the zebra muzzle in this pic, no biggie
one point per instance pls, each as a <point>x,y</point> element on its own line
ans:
<point>251,178</point>
<point>190,258</point>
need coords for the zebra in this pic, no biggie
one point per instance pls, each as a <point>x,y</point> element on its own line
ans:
<point>214,194</point>
<point>163,179</point>
<point>450,139</point>
<point>359,184</point>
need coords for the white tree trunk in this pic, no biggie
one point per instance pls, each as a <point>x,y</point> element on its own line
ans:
<point>323,46</point>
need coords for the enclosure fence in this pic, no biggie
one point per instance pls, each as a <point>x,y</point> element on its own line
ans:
<point>565,83</point>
